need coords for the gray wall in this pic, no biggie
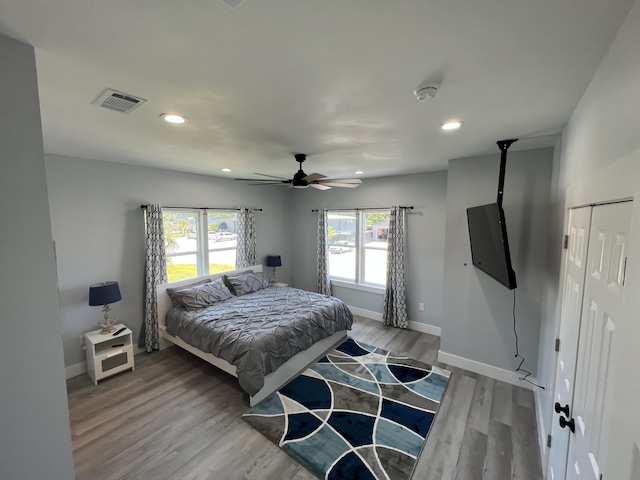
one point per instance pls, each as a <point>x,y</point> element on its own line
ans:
<point>551,285</point>
<point>35,440</point>
<point>478,310</point>
<point>604,126</point>
<point>601,141</point>
<point>98,228</point>
<point>425,233</point>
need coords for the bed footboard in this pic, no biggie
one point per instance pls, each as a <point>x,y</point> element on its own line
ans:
<point>296,365</point>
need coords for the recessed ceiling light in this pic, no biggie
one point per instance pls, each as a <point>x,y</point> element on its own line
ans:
<point>226,169</point>
<point>451,125</point>
<point>358,172</point>
<point>173,118</point>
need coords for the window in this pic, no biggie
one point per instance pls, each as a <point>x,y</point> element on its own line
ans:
<point>199,242</point>
<point>358,246</point>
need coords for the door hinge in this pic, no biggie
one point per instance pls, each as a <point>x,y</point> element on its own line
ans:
<point>565,242</point>
<point>557,344</point>
<point>548,441</point>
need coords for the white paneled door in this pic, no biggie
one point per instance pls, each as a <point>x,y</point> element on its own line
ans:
<point>584,414</point>
<point>601,313</point>
<point>575,269</point>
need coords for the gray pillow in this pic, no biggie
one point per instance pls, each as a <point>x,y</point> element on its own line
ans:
<point>248,282</point>
<point>202,296</point>
<point>171,291</point>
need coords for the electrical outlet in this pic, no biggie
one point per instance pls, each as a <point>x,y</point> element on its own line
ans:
<point>421,307</point>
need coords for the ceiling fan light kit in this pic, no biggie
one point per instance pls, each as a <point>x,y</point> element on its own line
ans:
<point>302,180</point>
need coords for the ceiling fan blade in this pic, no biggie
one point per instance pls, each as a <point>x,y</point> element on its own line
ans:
<point>312,177</point>
<point>269,183</point>
<point>319,186</point>
<point>355,181</point>
<point>302,180</point>
<point>260,180</point>
<point>272,176</point>
<point>336,184</point>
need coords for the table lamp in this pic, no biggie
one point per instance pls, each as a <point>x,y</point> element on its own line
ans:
<point>104,294</point>
<point>273,261</point>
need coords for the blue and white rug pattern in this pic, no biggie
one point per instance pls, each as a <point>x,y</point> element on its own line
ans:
<point>360,413</point>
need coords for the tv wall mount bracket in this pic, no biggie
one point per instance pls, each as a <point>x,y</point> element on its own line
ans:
<point>504,146</point>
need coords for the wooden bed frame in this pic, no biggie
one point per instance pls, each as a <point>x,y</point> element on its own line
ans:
<point>275,380</point>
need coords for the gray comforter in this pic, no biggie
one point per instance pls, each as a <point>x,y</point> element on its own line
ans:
<point>260,331</point>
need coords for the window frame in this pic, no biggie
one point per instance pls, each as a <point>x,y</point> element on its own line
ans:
<point>358,281</point>
<point>203,243</point>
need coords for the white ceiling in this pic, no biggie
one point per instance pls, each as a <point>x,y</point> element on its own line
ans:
<point>330,78</point>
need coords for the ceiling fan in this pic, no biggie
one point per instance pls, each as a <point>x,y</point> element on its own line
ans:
<point>302,180</point>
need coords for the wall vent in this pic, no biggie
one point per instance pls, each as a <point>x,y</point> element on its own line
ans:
<point>118,101</point>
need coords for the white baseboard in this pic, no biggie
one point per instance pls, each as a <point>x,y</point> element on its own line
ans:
<point>425,328</point>
<point>542,434</point>
<point>366,313</point>
<point>482,368</point>
<point>76,370</point>
<point>416,326</point>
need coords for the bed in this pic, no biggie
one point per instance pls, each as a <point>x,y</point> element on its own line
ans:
<point>265,336</point>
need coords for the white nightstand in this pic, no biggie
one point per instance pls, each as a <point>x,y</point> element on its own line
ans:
<point>108,354</point>
<point>278,284</point>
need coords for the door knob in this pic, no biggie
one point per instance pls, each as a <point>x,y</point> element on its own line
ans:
<point>560,409</point>
<point>568,423</point>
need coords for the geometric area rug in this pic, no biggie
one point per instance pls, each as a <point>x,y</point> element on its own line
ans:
<point>359,413</point>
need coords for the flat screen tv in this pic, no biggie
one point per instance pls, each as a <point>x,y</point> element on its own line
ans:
<point>489,243</point>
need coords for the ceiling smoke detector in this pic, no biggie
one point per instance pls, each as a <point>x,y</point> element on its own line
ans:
<point>424,93</point>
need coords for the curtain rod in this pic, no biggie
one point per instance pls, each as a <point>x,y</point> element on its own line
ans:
<point>144,207</point>
<point>358,209</point>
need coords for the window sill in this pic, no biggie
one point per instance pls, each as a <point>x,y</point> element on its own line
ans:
<point>356,286</point>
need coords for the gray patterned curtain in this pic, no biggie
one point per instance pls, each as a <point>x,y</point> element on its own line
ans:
<point>395,303</point>
<point>155,273</point>
<point>324,285</point>
<point>246,250</point>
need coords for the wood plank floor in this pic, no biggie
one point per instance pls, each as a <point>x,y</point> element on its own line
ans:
<point>176,417</point>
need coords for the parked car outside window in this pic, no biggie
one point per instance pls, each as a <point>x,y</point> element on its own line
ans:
<point>340,246</point>
<point>224,236</point>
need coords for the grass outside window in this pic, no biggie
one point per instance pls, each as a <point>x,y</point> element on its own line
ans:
<point>181,271</point>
